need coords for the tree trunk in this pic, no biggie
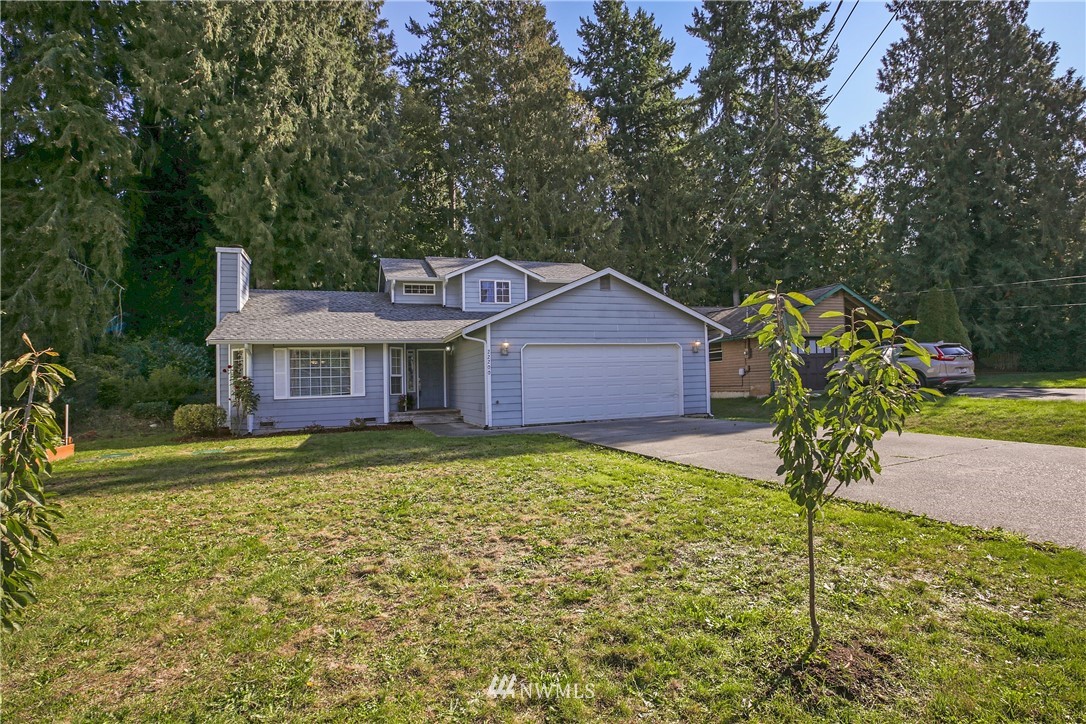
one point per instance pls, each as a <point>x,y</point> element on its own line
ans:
<point>816,632</point>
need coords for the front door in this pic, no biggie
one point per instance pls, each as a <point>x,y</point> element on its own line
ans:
<point>431,378</point>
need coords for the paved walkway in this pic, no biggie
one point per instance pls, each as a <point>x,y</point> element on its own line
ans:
<point>1028,393</point>
<point>1036,490</point>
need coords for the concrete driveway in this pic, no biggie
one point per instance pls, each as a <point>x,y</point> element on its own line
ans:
<point>1078,394</point>
<point>1036,490</point>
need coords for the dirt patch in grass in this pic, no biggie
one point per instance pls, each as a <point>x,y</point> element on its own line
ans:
<point>856,670</point>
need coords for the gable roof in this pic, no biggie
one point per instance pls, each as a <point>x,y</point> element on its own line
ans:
<point>581,282</point>
<point>498,259</point>
<point>735,317</point>
<point>438,268</point>
<point>320,317</point>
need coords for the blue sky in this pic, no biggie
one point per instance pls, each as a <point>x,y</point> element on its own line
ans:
<point>1063,22</point>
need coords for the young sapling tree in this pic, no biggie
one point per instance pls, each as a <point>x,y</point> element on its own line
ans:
<point>868,393</point>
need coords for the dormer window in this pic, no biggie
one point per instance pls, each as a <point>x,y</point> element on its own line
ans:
<point>419,289</point>
<point>493,291</point>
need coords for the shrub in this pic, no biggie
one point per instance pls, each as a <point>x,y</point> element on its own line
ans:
<point>199,419</point>
<point>155,410</point>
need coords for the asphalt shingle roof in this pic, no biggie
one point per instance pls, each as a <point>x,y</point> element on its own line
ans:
<point>438,267</point>
<point>732,317</point>
<point>317,316</point>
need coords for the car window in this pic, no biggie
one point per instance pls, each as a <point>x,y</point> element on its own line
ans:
<point>953,350</point>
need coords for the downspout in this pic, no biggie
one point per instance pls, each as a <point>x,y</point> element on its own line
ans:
<point>486,373</point>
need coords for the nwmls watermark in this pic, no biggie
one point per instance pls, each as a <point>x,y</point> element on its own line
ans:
<point>506,686</point>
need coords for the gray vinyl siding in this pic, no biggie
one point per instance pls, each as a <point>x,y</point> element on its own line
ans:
<point>499,272</point>
<point>228,283</point>
<point>329,411</point>
<point>466,391</point>
<point>402,298</point>
<point>537,288</point>
<point>586,315</point>
<point>452,292</point>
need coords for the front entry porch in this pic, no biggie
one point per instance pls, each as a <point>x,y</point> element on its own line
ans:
<point>418,380</point>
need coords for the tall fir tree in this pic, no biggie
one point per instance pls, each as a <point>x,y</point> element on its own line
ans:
<point>68,159</point>
<point>291,106</point>
<point>978,158</point>
<point>636,92</point>
<point>513,159</point>
<point>778,178</point>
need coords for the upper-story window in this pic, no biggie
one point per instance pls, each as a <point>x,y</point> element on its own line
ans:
<point>424,289</point>
<point>493,291</point>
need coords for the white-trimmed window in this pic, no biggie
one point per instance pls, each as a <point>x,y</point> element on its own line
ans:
<point>395,370</point>
<point>319,372</point>
<point>419,289</point>
<point>493,291</point>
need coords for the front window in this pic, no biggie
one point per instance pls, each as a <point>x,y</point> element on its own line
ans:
<point>320,372</point>
<point>494,292</point>
<point>395,370</point>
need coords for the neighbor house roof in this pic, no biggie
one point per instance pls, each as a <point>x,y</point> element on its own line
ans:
<point>276,316</point>
<point>734,317</point>
<point>439,267</point>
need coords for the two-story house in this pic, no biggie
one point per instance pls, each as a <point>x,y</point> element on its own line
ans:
<point>504,343</point>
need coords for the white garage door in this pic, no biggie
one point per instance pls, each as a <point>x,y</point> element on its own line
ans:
<point>574,382</point>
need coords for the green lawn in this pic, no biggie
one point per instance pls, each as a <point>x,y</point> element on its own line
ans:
<point>391,575</point>
<point>1033,379</point>
<point>1050,422</point>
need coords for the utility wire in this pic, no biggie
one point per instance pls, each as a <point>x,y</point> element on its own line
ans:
<point>869,49</point>
<point>1005,284</point>
<point>833,43</point>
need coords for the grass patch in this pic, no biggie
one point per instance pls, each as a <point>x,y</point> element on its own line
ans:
<point>391,575</point>
<point>1060,422</point>
<point>1033,379</point>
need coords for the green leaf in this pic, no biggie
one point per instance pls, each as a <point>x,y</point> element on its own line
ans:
<point>801,298</point>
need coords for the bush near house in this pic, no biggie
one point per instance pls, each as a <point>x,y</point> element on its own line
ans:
<point>199,419</point>
<point>149,378</point>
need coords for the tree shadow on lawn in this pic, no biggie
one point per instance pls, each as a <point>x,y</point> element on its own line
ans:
<point>189,465</point>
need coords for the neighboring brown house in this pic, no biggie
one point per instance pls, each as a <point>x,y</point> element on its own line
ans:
<point>738,368</point>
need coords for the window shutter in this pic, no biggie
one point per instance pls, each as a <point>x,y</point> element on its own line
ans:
<point>358,371</point>
<point>282,373</point>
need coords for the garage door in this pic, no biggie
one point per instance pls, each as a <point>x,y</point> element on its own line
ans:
<point>570,383</point>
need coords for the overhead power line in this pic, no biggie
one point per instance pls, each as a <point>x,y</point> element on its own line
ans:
<point>1007,284</point>
<point>857,67</point>
<point>833,43</point>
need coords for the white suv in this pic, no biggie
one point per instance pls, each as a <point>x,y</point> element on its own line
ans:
<point>951,366</point>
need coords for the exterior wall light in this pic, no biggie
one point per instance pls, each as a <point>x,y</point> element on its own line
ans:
<point>696,345</point>
<point>449,349</point>
<point>505,348</point>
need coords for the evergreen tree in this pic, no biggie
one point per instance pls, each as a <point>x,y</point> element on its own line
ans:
<point>635,91</point>
<point>513,160</point>
<point>779,179</point>
<point>939,318</point>
<point>68,157</point>
<point>291,106</point>
<point>978,160</point>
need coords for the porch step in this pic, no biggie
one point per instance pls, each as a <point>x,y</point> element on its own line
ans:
<point>427,417</point>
